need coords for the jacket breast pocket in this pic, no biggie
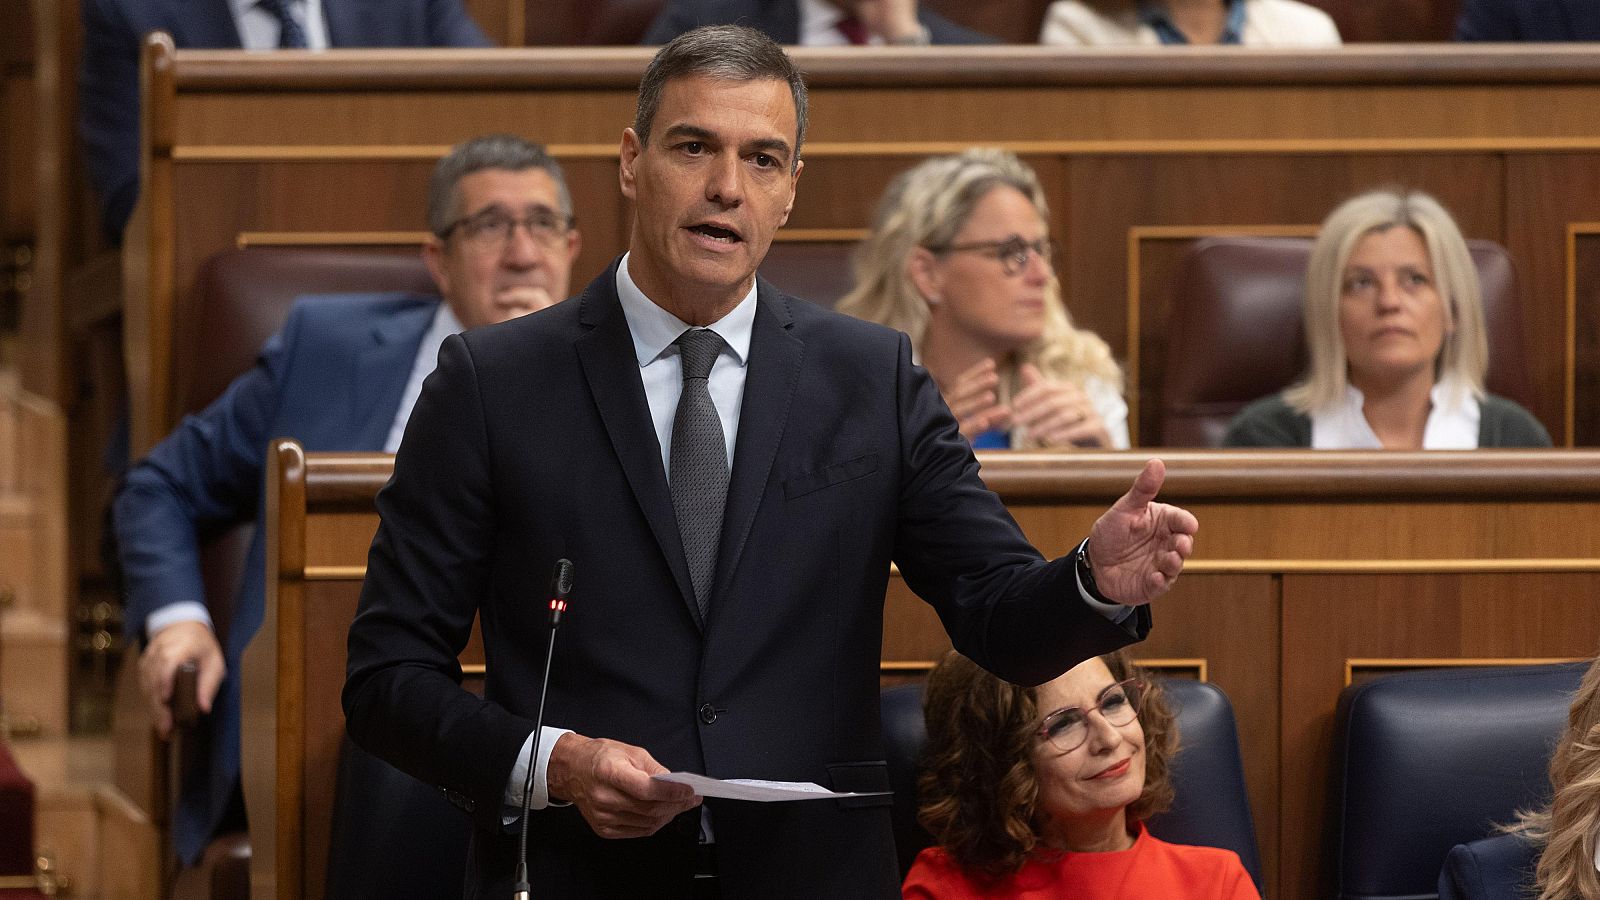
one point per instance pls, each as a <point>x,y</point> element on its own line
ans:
<point>869,777</point>
<point>828,476</point>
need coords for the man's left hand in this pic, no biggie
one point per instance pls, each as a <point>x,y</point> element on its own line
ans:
<point>1137,547</point>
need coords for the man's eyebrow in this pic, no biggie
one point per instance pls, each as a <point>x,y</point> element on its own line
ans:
<point>683,130</point>
<point>775,146</point>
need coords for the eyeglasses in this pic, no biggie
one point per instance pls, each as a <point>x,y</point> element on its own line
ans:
<point>1012,252</point>
<point>1067,729</point>
<point>494,227</point>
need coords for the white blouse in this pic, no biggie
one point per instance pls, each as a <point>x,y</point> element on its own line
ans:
<point>1452,423</point>
<point>1267,23</point>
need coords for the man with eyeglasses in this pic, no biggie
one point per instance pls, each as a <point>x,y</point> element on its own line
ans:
<point>342,374</point>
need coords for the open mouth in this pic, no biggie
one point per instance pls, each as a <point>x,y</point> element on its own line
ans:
<point>716,233</point>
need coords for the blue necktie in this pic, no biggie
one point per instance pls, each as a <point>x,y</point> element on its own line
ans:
<point>698,472</point>
<point>290,35</point>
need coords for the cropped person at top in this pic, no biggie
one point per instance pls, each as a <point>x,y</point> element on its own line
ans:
<point>1551,852</point>
<point>959,258</point>
<point>1042,792</point>
<point>1253,23</point>
<point>1395,331</point>
<point>817,23</point>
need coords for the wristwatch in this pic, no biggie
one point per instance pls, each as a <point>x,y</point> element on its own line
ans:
<point>1086,571</point>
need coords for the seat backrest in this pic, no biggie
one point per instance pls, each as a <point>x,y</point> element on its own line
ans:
<point>1212,807</point>
<point>1237,332</point>
<point>1429,759</point>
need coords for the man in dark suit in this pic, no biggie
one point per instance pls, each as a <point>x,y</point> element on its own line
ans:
<point>816,22</point>
<point>342,374</point>
<point>108,74</point>
<point>727,617</point>
<point>1529,20</point>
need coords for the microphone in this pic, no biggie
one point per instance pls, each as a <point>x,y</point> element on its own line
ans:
<point>560,592</point>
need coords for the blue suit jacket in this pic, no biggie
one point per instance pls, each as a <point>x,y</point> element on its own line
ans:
<point>779,19</point>
<point>333,379</point>
<point>108,73</point>
<point>533,441</point>
<point>1492,868</point>
<point>1529,20</point>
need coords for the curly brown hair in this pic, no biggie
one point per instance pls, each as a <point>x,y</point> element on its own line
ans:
<point>979,789</point>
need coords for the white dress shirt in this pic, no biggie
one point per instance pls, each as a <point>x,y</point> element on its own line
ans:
<point>258,29</point>
<point>1452,422</point>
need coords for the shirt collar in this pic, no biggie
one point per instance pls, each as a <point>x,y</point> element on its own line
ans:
<point>654,329</point>
<point>444,324</point>
<point>1452,422</point>
<point>1154,14</point>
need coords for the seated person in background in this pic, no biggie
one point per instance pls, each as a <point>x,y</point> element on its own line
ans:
<point>1394,327</point>
<point>1041,792</point>
<point>816,23</point>
<point>1550,853</point>
<point>343,374</point>
<point>1529,20</point>
<point>108,74</point>
<point>959,258</point>
<point>1253,23</point>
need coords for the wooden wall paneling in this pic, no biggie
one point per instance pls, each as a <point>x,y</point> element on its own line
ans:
<point>1331,618</point>
<point>1545,194</point>
<point>330,607</point>
<point>1583,303</point>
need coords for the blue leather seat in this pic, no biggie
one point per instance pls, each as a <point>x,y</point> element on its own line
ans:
<point>1211,807</point>
<point>1429,759</point>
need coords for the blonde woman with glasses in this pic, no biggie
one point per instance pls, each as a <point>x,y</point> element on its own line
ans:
<point>960,259</point>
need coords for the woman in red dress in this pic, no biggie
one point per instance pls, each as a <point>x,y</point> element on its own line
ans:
<point>1041,792</point>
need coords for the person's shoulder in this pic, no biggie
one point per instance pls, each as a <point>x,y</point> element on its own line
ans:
<point>1268,422</point>
<point>1505,423</point>
<point>1287,23</point>
<point>331,310</point>
<point>935,874</point>
<point>1076,23</point>
<point>1196,864</point>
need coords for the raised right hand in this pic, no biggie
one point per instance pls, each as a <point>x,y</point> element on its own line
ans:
<point>170,648</point>
<point>610,783</point>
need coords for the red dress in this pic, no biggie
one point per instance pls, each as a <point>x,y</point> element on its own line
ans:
<point>1150,868</point>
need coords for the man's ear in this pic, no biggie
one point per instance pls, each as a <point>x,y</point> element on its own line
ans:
<point>794,182</point>
<point>629,156</point>
<point>922,269</point>
<point>433,252</point>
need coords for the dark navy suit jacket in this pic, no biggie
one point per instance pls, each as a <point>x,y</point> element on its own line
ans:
<point>1492,868</point>
<point>108,75</point>
<point>779,19</point>
<point>333,379</point>
<point>533,441</point>
<point>1529,20</point>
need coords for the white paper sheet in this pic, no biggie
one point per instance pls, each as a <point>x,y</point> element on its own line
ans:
<point>755,789</point>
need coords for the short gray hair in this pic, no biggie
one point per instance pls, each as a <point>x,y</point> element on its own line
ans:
<point>727,53</point>
<point>491,151</point>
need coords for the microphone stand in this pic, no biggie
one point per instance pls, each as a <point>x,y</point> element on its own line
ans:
<point>560,590</point>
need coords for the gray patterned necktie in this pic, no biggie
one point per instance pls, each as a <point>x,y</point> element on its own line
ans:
<point>290,35</point>
<point>699,469</point>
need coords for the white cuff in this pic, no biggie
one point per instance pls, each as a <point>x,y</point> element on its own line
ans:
<point>539,797</point>
<point>173,613</point>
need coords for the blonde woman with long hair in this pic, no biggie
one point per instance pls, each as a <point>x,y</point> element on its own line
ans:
<point>1395,329</point>
<point>1564,837</point>
<point>960,259</point>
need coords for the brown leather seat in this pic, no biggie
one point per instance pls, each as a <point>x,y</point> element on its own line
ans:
<point>241,298</point>
<point>1237,334</point>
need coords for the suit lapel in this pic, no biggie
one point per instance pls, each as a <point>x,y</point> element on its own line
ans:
<point>206,23</point>
<point>612,370</point>
<point>774,370</point>
<point>383,369</point>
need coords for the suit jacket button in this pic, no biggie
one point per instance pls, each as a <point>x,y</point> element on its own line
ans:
<point>708,714</point>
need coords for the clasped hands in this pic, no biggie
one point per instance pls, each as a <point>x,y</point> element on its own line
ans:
<point>1055,413</point>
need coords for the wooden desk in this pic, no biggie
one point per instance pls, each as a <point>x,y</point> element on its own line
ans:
<point>1140,153</point>
<point>1312,569</point>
